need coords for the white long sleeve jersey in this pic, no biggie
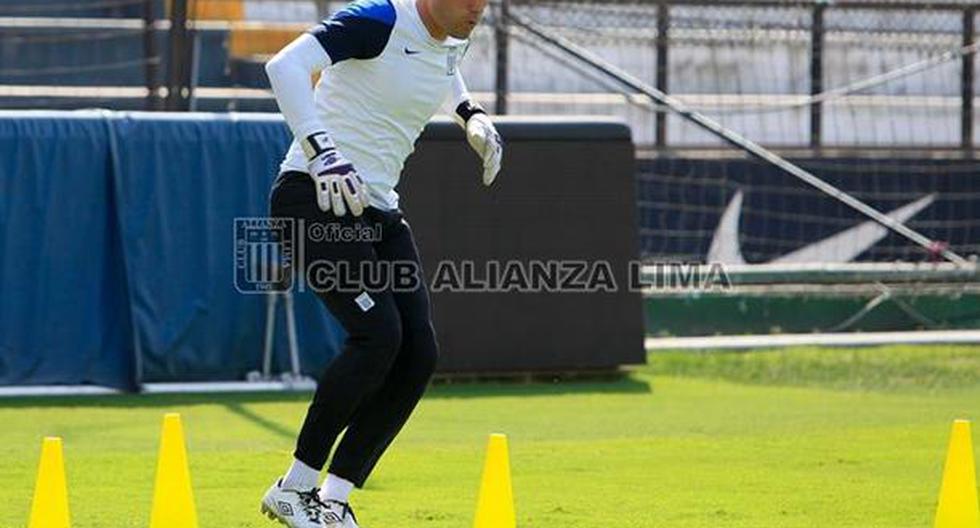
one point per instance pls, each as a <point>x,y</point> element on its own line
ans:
<point>385,79</point>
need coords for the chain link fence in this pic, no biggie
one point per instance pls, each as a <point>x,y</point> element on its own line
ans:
<point>864,74</point>
<point>867,74</point>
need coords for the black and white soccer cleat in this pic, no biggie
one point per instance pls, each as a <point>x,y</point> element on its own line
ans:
<point>339,515</point>
<point>295,508</point>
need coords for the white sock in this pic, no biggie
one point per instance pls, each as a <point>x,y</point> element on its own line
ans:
<point>336,488</point>
<point>300,477</point>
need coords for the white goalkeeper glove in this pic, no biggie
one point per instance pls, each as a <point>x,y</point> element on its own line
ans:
<point>483,137</point>
<point>338,186</point>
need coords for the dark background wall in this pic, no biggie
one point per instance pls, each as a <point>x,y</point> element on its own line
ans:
<point>565,193</point>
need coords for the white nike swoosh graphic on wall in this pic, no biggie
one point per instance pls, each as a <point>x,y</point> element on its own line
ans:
<point>724,244</point>
<point>844,246</point>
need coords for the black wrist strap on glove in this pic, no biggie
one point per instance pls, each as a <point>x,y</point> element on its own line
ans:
<point>315,144</point>
<point>468,109</point>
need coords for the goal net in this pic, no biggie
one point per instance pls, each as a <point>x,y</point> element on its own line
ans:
<point>877,120</point>
<point>817,152</point>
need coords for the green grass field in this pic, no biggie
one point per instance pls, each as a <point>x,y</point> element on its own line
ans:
<point>788,438</point>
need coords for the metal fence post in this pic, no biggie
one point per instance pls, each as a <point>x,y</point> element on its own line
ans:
<point>663,46</point>
<point>502,40</point>
<point>816,73</point>
<point>177,68</point>
<point>322,9</point>
<point>966,94</point>
<point>150,55</point>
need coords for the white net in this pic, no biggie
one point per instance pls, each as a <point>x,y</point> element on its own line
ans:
<point>886,94</point>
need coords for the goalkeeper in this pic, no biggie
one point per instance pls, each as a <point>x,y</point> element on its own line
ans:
<point>386,66</point>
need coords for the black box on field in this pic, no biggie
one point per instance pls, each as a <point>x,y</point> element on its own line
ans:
<point>563,199</point>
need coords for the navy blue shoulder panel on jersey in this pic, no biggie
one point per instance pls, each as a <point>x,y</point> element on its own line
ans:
<point>358,31</point>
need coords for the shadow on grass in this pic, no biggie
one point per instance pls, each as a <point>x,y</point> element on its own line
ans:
<point>627,384</point>
<point>261,421</point>
<point>480,389</point>
<point>154,400</point>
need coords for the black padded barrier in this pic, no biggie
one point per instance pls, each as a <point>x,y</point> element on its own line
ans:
<point>565,194</point>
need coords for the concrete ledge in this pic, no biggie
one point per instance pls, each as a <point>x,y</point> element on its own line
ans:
<point>728,342</point>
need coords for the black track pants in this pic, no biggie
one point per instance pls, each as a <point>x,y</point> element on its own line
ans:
<point>390,354</point>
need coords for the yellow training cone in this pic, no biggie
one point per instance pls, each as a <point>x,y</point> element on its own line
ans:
<point>173,499</point>
<point>50,507</point>
<point>958,495</point>
<point>495,507</point>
